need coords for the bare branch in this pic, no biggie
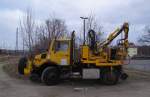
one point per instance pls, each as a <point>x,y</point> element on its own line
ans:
<point>145,39</point>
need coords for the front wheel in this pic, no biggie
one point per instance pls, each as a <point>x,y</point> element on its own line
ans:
<point>50,76</point>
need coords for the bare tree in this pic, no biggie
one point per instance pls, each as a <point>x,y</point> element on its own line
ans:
<point>27,27</point>
<point>52,28</point>
<point>56,28</point>
<point>93,24</point>
<point>37,38</point>
<point>145,38</point>
<point>41,39</point>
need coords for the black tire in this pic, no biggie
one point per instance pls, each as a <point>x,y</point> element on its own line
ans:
<point>108,76</point>
<point>50,76</point>
<point>21,65</point>
<point>124,76</point>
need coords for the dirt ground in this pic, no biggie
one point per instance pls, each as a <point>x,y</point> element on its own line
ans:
<point>138,85</point>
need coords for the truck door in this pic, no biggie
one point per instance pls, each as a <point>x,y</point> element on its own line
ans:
<point>61,52</point>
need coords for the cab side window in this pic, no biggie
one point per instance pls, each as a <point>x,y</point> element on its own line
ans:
<point>61,46</point>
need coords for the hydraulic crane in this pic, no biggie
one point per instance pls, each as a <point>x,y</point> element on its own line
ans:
<point>64,59</point>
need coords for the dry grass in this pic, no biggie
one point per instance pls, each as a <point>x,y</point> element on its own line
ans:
<point>11,65</point>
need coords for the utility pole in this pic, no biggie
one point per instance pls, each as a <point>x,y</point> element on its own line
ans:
<point>49,34</point>
<point>16,40</point>
<point>84,18</point>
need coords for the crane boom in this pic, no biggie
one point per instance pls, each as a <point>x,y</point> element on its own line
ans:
<point>113,35</point>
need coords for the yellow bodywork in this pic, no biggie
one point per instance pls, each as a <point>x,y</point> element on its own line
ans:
<point>28,69</point>
<point>101,59</point>
<point>57,57</point>
<point>87,56</point>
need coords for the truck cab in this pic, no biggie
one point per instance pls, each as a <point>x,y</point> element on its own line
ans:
<point>60,51</point>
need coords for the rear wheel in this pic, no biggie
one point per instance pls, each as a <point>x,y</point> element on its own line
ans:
<point>108,76</point>
<point>22,64</point>
<point>50,76</point>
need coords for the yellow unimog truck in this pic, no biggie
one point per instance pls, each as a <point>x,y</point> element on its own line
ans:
<point>63,59</point>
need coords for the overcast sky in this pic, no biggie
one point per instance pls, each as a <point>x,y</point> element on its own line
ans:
<point>110,13</point>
